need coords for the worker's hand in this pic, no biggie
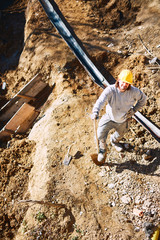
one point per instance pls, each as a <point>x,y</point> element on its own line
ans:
<point>129,114</point>
<point>94,116</point>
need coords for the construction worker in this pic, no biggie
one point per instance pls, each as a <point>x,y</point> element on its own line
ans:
<point>123,100</point>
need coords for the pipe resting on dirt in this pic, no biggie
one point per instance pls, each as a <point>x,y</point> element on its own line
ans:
<point>67,33</point>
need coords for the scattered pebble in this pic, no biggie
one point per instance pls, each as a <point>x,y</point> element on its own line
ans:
<point>153,60</point>
<point>111,185</point>
<point>138,200</point>
<point>138,212</point>
<point>126,145</point>
<point>110,45</point>
<point>126,199</point>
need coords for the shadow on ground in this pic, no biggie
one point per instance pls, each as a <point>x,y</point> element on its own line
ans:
<point>147,169</point>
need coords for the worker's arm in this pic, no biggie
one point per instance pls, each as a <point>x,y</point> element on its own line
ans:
<point>104,97</point>
<point>141,100</point>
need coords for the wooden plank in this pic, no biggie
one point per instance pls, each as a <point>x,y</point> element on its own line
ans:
<point>26,97</point>
<point>20,122</point>
<point>36,88</point>
<point>28,122</point>
<point>24,90</point>
<point>24,112</point>
<point>4,134</point>
<point>9,131</point>
<point>17,120</point>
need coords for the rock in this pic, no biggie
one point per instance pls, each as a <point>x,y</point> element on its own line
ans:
<point>151,191</point>
<point>147,204</point>
<point>137,229</point>
<point>138,212</point>
<point>126,145</point>
<point>138,200</point>
<point>148,152</point>
<point>80,213</point>
<point>131,139</point>
<point>112,204</point>
<point>126,199</point>
<point>102,173</point>
<point>154,71</point>
<point>153,60</point>
<point>111,185</point>
<point>111,45</point>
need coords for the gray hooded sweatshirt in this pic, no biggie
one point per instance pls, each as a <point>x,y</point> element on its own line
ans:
<point>119,103</point>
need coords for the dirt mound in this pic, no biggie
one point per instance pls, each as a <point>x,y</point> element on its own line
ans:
<point>15,165</point>
<point>113,14</point>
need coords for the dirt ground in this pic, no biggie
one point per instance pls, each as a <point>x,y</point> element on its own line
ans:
<point>79,200</point>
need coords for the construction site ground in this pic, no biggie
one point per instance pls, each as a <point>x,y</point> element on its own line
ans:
<point>79,200</point>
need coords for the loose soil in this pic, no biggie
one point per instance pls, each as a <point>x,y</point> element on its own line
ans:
<point>81,200</point>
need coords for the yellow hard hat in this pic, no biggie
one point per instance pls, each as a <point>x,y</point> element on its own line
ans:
<point>126,76</point>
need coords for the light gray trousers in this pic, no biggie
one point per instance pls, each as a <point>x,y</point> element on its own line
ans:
<point>105,125</point>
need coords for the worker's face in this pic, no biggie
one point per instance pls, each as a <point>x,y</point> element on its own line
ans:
<point>123,86</point>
